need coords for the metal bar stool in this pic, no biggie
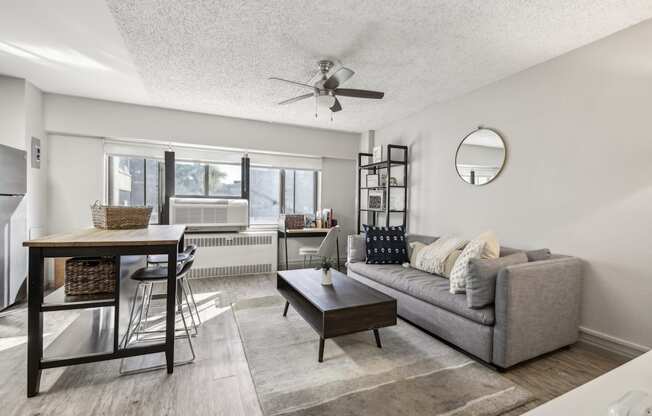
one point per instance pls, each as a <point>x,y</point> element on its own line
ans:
<point>160,259</point>
<point>146,278</point>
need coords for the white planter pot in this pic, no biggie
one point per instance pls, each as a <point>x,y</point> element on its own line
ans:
<point>326,277</point>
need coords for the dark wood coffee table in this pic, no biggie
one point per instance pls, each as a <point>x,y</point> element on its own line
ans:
<point>346,307</point>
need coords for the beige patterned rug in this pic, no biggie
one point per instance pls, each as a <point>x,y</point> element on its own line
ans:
<point>412,374</point>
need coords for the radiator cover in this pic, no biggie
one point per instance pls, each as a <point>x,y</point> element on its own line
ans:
<point>233,254</point>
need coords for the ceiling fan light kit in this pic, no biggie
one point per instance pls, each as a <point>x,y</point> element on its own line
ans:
<point>326,88</point>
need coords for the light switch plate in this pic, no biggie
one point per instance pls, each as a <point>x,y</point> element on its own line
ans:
<point>36,153</point>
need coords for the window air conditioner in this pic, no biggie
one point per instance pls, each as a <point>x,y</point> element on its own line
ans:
<point>210,214</point>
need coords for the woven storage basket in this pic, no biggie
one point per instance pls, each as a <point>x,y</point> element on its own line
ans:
<point>110,217</point>
<point>90,275</point>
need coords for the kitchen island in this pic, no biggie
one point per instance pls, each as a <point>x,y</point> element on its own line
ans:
<point>86,346</point>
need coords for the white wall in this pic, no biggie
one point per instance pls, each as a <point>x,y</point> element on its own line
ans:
<point>37,188</point>
<point>12,112</point>
<point>88,117</point>
<point>338,192</point>
<point>75,181</point>
<point>578,173</point>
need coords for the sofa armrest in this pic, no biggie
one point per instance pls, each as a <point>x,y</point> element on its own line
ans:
<point>537,309</point>
<point>356,250</point>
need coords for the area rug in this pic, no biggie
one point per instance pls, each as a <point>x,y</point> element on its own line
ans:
<point>412,374</point>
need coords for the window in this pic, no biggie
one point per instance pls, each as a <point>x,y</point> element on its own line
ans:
<point>300,191</point>
<point>137,181</point>
<point>134,182</point>
<point>274,191</point>
<point>208,179</point>
<point>264,195</point>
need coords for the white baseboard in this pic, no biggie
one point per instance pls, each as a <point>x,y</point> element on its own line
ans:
<point>611,344</point>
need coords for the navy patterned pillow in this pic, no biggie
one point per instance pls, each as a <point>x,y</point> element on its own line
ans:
<point>385,245</point>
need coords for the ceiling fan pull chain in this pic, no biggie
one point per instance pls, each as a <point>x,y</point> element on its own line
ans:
<point>331,116</point>
<point>316,107</point>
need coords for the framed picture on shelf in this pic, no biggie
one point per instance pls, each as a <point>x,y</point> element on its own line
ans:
<point>377,154</point>
<point>376,201</point>
<point>372,181</point>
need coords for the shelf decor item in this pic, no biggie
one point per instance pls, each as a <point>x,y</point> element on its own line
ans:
<point>372,181</point>
<point>110,217</point>
<point>376,200</point>
<point>325,266</point>
<point>90,275</point>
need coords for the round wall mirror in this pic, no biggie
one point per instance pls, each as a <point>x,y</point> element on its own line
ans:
<point>480,156</point>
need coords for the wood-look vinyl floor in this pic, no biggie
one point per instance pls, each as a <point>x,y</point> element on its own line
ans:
<point>218,382</point>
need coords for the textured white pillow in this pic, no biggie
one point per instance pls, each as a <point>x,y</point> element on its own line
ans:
<point>432,258</point>
<point>460,271</point>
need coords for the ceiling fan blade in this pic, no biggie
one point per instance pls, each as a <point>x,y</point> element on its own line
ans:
<point>295,99</point>
<point>338,77</point>
<point>348,92</point>
<point>336,106</point>
<point>301,84</point>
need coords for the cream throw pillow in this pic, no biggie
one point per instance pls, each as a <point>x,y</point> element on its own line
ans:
<point>450,262</point>
<point>460,271</point>
<point>491,246</point>
<point>415,248</point>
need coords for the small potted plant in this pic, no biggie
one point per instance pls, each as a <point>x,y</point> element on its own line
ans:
<point>325,266</point>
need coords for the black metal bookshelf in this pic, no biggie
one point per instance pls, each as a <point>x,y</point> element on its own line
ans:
<point>396,156</point>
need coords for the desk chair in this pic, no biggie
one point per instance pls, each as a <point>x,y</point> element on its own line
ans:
<point>325,249</point>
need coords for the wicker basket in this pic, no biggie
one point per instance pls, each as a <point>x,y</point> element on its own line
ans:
<point>120,218</point>
<point>90,275</point>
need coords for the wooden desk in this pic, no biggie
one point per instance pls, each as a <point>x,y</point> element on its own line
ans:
<point>157,239</point>
<point>305,233</point>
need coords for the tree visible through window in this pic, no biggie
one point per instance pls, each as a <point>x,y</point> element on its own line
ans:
<point>208,179</point>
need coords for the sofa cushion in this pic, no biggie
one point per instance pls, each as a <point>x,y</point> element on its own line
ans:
<point>424,286</point>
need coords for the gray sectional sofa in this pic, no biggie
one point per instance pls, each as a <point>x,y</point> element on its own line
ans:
<point>536,309</point>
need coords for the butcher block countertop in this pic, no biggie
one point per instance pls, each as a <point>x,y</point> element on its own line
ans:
<point>94,237</point>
